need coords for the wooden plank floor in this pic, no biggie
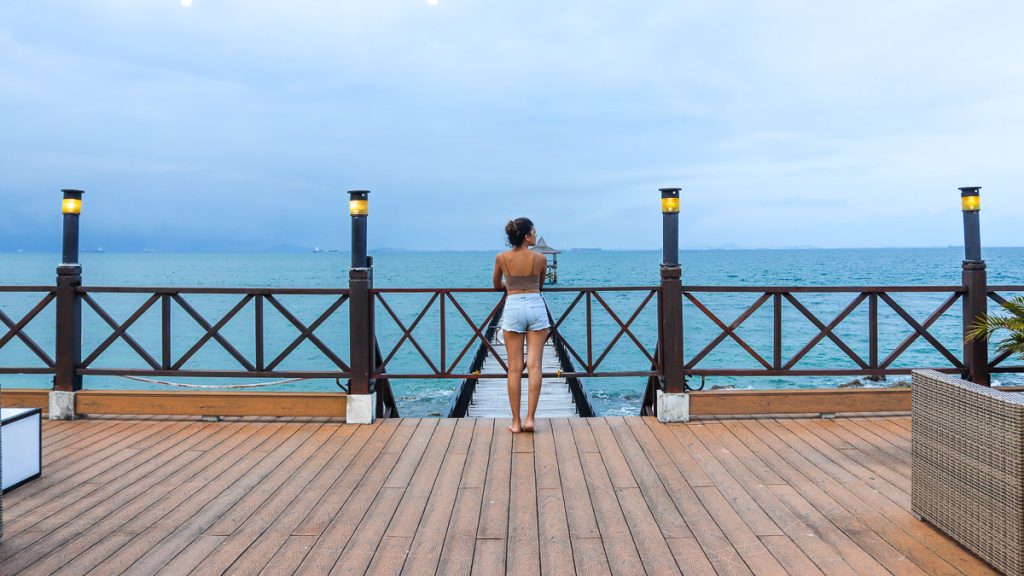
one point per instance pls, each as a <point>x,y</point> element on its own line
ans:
<point>425,496</point>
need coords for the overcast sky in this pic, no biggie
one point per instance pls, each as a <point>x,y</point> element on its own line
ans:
<point>240,124</point>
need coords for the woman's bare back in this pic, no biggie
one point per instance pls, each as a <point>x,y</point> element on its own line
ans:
<point>519,263</point>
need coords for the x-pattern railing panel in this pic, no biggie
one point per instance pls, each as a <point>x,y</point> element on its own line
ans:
<point>478,333</point>
<point>439,301</point>
<point>407,332</point>
<point>307,332</point>
<point>871,295</point>
<point>921,330</point>
<point>727,331</point>
<point>120,330</point>
<point>214,331</point>
<point>17,329</point>
<point>590,365</point>
<point>442,301</point>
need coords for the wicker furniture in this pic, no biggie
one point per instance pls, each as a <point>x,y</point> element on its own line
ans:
<point>968,465</point>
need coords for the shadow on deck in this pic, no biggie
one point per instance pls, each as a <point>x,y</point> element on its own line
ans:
<point>423,496</point>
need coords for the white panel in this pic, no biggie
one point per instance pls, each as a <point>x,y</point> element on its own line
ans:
<point>20,446</point>
<point>9,413</point>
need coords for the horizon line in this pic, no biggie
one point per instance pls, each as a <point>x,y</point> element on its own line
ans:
<point>311,250</point>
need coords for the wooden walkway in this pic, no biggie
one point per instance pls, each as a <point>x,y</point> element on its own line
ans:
<point>490,398</point>
<point>424,496</point>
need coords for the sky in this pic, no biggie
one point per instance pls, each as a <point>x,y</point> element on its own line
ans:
<point>239,125</point>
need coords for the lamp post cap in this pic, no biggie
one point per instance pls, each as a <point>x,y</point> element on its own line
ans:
<point>669,189</point>
<point>72,191</point>
<point>969,190</point>
<point>358,191</point>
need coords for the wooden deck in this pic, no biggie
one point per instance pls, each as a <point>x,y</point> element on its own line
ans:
<point>585,496</point>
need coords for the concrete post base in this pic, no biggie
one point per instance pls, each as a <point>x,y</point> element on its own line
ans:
<point>62,405</point>
<point>673,407</point>
<point>361,408</point>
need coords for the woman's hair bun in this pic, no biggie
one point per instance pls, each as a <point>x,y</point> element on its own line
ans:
<point>517,230</point>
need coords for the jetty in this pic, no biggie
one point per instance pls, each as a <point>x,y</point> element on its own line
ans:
<point>490,395</point>
<point>563,395</point>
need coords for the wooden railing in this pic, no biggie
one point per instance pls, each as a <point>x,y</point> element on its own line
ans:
<point>259,365</point>
<point>873,363</point>
<point>870,296</point>
<point>590,359</point>
<point>579,348</point>
<point>17,329</point>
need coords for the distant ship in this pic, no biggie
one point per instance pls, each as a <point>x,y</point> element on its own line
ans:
<point>317,250</point>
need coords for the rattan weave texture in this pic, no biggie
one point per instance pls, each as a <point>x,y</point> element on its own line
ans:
<point>968,465</point>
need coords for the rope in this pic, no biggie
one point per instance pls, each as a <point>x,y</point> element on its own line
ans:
<point>182,385</point>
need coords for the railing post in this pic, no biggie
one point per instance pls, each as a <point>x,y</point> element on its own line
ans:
<point>672,324</point>
<point>975,279</point>
<point>673,403</point>
<point>66,383</point>
<point>361,402</point>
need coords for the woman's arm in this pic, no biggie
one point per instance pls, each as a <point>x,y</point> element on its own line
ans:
<point>543,269</point>
<point>496,277</point>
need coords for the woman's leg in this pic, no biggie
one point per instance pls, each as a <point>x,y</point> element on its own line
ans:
<point>514,349</point>
<point>534,356</point>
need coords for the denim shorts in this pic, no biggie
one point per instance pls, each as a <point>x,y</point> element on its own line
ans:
<point>524,312</point>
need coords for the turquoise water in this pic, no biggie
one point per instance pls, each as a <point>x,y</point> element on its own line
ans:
<point>473,269</point>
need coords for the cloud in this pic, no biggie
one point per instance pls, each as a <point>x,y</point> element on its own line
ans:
<point>234,123</point>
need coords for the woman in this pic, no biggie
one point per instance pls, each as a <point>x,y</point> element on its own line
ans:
<point>525,316</point>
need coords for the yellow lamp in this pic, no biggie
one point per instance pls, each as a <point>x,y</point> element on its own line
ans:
<point>359,204</point>
<point>670,200</point>
<point>72,202</point>
<point>970,199</point>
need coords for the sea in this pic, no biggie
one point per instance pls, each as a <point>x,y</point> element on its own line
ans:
<point>472,269</point>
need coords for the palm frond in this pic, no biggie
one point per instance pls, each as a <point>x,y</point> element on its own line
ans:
<point>985,327</point>
<point>1015,306</point>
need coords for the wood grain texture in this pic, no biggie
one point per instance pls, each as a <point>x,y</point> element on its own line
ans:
<point>281,404</point>
<point>835,401</point>
<point>616,495</point>
<point>26,398</point>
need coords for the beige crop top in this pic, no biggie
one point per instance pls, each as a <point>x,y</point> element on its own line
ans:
<point>521,282</point>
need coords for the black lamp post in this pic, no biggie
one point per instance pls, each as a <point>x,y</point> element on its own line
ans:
<point>671,321</point>
<point>975,279</point>
<point>361,317</point>
<point>69,304</point>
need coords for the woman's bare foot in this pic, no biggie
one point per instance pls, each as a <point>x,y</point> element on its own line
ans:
<point>515,428</point>
<point>528,426</point>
